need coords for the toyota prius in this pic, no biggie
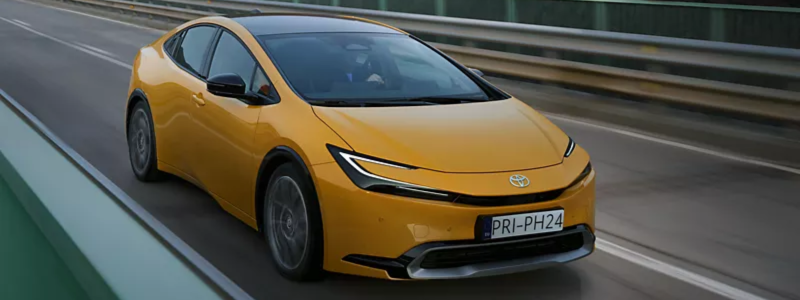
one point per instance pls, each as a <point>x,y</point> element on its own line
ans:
<point>355,147</point>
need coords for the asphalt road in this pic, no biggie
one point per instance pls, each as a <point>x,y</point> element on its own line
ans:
<point>729,221</point>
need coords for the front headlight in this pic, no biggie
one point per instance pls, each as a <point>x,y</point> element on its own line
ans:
<point>570,148</point>
<point>348,161</point>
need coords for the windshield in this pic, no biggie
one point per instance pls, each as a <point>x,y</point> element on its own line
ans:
<point>357,67</point>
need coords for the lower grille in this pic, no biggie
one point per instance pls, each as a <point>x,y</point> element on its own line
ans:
<point>509,200</point>
<point>452,258</point>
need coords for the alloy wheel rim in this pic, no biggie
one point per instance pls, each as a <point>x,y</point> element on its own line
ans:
<point>139,141</point>
<point>287,223</point>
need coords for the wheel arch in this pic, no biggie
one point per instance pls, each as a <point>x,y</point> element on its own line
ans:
<point>136,96</point>
<point>271,161</point>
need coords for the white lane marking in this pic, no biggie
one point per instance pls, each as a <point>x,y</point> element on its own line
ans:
<point>684,275</point>
<point>95,49</point>
<point>20,22</point>
<point>94,17</point>
<point>678,145</point>
<point>76,47</point>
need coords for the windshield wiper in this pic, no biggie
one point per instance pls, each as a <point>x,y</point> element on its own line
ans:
<point>355,103</point>
<point>394,102</point>
<point>329,102</point>
<point>441,100</point>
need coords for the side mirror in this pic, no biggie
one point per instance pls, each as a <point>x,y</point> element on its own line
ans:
<point>477,72</point>
<point>227,85</point>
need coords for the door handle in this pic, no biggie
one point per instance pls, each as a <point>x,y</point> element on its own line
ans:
<point>198,100</point>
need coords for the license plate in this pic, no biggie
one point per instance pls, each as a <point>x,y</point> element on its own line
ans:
<point>523,224</point>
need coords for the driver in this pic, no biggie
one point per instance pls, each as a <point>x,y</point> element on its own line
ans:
<point>360,69</point>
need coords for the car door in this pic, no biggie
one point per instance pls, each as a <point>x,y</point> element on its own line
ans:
<point>190,57</point>
<point>225,127</point>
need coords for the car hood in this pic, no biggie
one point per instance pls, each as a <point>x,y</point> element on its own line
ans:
<point>493,136</point>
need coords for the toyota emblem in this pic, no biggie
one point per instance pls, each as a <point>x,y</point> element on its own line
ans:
<point>519,181</point>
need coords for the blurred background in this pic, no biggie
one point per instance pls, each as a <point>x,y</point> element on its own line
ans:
<point>689,109</point>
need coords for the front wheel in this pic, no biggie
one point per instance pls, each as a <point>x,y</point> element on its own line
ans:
<point>142,144</point>
<point>292,225</point>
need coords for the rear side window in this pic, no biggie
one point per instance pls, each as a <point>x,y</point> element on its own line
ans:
<point>192,51</point>
<point>231,56</point>
<point>172,43</point>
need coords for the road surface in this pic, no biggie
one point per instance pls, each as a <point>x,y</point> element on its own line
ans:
<point>691,225</point>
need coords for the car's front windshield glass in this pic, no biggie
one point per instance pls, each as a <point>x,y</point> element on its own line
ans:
<point>358,67</point>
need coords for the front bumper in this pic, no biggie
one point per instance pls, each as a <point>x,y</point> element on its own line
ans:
<point>468,259</point>
<point>398,233</point>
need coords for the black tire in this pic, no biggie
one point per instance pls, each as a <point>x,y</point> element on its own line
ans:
<point>282,227</point>
<point>142,144</point>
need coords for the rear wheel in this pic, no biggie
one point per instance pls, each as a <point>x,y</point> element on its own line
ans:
<point>142,144</point>
<point>292,225</point>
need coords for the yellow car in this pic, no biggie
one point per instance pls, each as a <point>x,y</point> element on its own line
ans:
<point>354,147</point>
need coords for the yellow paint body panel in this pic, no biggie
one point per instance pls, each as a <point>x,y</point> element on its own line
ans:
<point>220,147</point>
<point>449,137</point>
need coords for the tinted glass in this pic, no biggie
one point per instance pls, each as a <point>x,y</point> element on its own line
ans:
<point>232,57</point>
<point>261,84</point>
<point>193,49</point>
<point>363,66</point>
<point>172,42</point>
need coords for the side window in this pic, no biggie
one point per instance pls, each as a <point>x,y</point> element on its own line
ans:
<point>231,56</point>
<point>261,85</point>
<point>171,43</point>
<point>192,51</point>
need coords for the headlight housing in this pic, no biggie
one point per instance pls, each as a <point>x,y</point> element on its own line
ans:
<point>348,161</point>
<point>588,169</point>
<point>570,148</point>
<point>581,176</point>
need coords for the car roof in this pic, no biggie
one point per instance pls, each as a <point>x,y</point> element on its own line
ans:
<point>287,24</point>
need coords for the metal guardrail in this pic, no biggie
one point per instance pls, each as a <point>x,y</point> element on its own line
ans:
<point>781,105</point>
<point>781,62</point>
<point>150,10</point>
<point>705,21</point>
<point>773,104</point>
<point>701,5</point>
